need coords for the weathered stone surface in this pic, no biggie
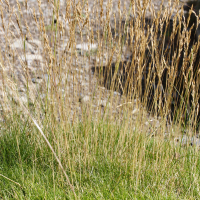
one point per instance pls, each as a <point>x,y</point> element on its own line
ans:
<point>85,99</point>
<point>187,141</point>
<point>86,46</point>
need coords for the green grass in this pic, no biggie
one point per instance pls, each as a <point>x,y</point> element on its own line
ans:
<point>107,162</point>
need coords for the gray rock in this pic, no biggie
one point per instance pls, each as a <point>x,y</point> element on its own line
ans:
<point>37,80</point>
<point>103,103</point>
<point>19,44</point>
<point>186,140</point>
<point>86,46</point>
<point>85,99</point>
<point>135,111</point>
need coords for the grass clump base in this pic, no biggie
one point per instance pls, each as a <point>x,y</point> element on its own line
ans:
<point>102,160</point>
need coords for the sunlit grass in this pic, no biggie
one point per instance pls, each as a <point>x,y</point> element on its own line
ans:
<point>56,144</point>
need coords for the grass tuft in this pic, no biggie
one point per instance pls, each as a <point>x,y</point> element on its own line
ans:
<point>99,100</point>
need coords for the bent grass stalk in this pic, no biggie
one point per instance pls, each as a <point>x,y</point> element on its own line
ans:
<point>48,143</point>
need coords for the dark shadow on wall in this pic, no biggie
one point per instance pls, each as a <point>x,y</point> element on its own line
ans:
<point>123,77</point>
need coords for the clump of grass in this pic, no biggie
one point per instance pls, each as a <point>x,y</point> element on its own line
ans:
<point>53,145</point>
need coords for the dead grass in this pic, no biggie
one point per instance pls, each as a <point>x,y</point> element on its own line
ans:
<point>47,86</point>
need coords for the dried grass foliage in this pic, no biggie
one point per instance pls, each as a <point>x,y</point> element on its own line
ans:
<point>159,48</point>
<point>153,61</point>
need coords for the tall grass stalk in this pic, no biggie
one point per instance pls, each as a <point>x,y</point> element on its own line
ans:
<point>104,120</point>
